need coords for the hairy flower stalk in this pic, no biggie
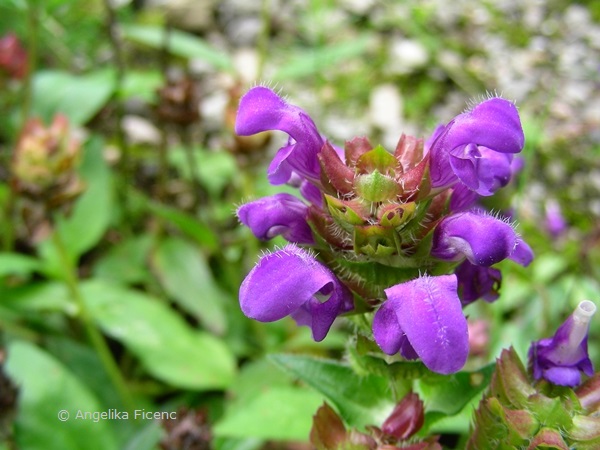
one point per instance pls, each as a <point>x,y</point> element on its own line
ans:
<point>391,227</point>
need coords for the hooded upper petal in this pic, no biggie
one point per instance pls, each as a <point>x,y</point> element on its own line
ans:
<point>561,358</point>
<point>429,313</point>
<point>481,238</point>
<point>292,282</point>
<point>280,214</point>
<point>261,109</point>
<point>494,124</point>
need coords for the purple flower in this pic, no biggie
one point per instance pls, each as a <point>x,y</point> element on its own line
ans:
<point>479,237</point>
<point>423,318</point>
<point>291,282</point>
<point>475,282</point>
<point>554,221</point>
<point>561,358</point>
<point>261,109</point>
<point>476,147</point>
<point>280,214</point>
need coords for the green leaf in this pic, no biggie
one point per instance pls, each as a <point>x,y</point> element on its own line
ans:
<point>91,215</point>
<point>47,387</point>
<point>313,62</point>
<point>449,394</point>
<point>38,296</point>
<point>185,275</point>
<point>166,345</point>
<point>216,170</point>
<point>126,262</point>
<point>79,97</point>
<point>142,85</point>
<point>181,44</point>
<point>17,264</point>
<point>360,400</point>
<point>188,225</point>
<point>279,413</point>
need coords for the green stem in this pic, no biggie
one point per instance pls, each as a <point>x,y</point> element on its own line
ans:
<point>32,31</point>
<point>95,336</point>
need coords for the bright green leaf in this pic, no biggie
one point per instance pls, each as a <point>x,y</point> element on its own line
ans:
<point>187,224</point>
<point>79,97</point>
<point>17,264</point>
<point>449,394</point>
<point>47,387</point>
<point>313,62</point>
<point>185,275</point>
<point>360,400</point>
<point>126,262</point>
<point>278,413</point>
<point>182,44</point>
<point>166,345</point>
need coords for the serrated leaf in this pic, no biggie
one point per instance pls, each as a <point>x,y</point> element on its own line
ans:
<point>47,387</point>
<point>166,345</point>
<point>360,400</point>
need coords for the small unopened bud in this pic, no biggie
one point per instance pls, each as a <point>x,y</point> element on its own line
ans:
<point>406,419</point>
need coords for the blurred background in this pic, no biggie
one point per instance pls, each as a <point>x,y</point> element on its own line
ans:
<point>120,173</point>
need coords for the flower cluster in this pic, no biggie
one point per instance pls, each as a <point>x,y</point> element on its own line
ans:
<point>397,231</point>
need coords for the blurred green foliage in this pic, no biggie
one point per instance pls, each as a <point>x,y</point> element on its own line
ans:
<point>126,298</point>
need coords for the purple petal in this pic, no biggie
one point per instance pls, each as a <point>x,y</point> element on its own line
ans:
<point>522,254</point>
<point>386,329</point>
<point>481,238</point>
<point>261,109</point>
<point>292,282</point>
<point>475,282</point>
<point>281,214</point>
<point>429,312</point>
<point>563,357</point>
<point>481,169</point>
<point>462,198</point>
<point>494,124</point>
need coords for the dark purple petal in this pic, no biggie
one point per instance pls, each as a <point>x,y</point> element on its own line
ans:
<point>281,214</point>
<point>562,358</point>
<point>261,109</point>
<point>481,169</point>
<point>493,124</point>
<point>481,238</point>
<point>462,198</point>
<point>429,313</point>
<point>386,329</point>
<point>292,282</point>
<point>312,193</point>
<point>475,282</point>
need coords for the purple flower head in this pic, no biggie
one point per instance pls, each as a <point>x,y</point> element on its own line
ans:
<point>291,282</point>
<point>476,147</point>
<point>479,237</point>
<point>561,358</point>
<point>475,282</point>
<point>280,214</point>
<point>423,318</point>
<point>261,109</point>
